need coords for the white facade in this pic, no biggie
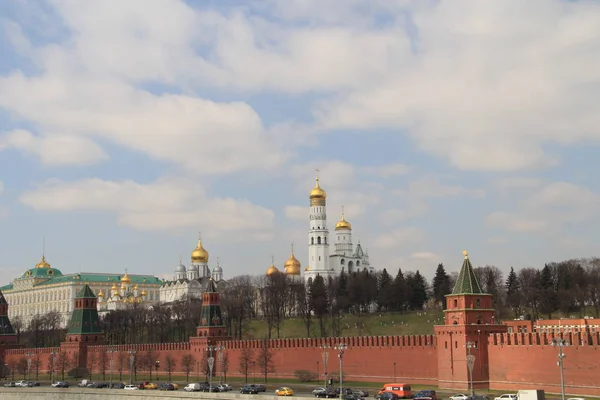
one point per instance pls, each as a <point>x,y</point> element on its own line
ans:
<point>345,257</point>
<point>190,282</point>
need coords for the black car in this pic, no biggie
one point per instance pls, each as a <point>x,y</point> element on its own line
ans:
<point>360,393</point>
<point>426,395</point>
<point>325,393</point>
<point>249,389</point>
<point>387,396</point>
<point>166,386</point>
<point>261,387</point>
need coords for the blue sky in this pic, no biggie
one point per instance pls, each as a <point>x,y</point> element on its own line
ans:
<point>127,128</point>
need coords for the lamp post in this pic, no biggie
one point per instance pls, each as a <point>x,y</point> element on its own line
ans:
<point>341,348</point>
<point>325,348</point>
<point>253,371</point>
<point>29,355</point>
<point>111,351</point>
<point>470,364</point>
<point>156,366</point>
<point>131,361</point>
<point>211,363</point>
<point>394,371</point>
<point>221,359</point>
<point>317,372</point>
<point>560,343</point>
<point>52,354</point>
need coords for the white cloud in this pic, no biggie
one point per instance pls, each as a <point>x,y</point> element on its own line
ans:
<point>400,238</point>
<point>431,187</point>
<point>55,149</point>
<point>296,213</point>
<point>397,215</point>
<point>547,209</point>
<point>169,203</point>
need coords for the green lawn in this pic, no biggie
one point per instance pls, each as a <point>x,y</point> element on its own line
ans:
<point>377,324</point>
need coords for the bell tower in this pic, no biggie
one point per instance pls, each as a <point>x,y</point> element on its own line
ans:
<point>462,342</point>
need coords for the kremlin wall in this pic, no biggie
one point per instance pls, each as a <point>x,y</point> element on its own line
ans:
<point>503,361</point>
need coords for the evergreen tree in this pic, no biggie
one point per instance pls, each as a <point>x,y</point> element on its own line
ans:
<point>549,301</point>
<point>341,294</point>
<point>385,291</point>
<point>417,288</point>
<point>441,285</point>
<point>319,301</point>
<point>513,293</point>
<point>400,292</point>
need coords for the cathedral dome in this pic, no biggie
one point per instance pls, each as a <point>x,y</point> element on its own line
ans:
<point>101,294</point>
<point>217,269</point>
<point>343,224</point>
<point>114,287</point>
<point>317,195</point>
<point>199,254</point>
<point>272,270</point>
<point>125,279</point>
<point>292,265</point>
<point>180,268</point>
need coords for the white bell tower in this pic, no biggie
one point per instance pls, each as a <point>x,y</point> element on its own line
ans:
<point>318,235</point>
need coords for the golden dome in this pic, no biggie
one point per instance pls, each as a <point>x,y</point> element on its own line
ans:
<point>114,287</point>
<point>43,263</point>
<point>307,269</point>
<point>317,195</point>
<point>125,279</point>
<point>136,287</point>
<point>199,254</point>
<point>292,265</point>
<point>100,294</point>
<point>343,224</point>
<point>272,270</point>
<point>144,293</point>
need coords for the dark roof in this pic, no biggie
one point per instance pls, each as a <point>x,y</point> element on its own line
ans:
<point>211,287</point>
<point>2,299</point>
<point>467,281</point>
<point>85,293</point>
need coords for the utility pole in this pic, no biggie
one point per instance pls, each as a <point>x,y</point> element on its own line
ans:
<point>52,355</point>
<point>111,351</point>
<point>325,348</point>
<point>341,348</point>
<point>560,343</point>
<point>131,361</point>
<point>29,355</point>
<point>471,364</point>
<point>211,364</point>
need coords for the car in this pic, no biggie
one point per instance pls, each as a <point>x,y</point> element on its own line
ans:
<point>261,387</point>
<point>507,396</point>
<point>227,387</point>
<point>150,386</point>
<point>131,387</point>
<point>431,395</point>
<point>60,384</point>
<point>324,392</point>
<point>175,386</point>
<point>166,386</point>
<point>284,391</point>
<point>10,384</point>
<point>193,387</point>
<point>460,396</point>
<point>249,389</point>
<point>360,393</point>
<point>387,396</point>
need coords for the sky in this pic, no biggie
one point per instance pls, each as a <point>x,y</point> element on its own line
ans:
<point>129,127</point>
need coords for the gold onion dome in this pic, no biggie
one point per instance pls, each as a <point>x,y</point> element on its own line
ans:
<point>343,224</point>
<point>199,254</point>
<point>317,195</point>
<point>307,269</point>
<point>114,287</point>
<point>272,270</point>
<point>144,293</point>
<point>43,263</point>
<point>125,279</point>
<point>135,287</point>
<point>292,265</point>
<point>100,294</point>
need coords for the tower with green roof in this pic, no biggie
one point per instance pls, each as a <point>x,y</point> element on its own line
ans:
<point>84,328</point>
<point>469,321</point>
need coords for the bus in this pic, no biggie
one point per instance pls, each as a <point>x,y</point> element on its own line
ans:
<point>402,390</point>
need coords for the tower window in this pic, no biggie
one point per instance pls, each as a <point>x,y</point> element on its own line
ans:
<point>455,303</point>
<point>342,261</point>
<point>477,303</point>
<point>319,240</point>
<point>358,263</point>
<point>325,239</point>
<point>319,258</point>
<point>312,240</point>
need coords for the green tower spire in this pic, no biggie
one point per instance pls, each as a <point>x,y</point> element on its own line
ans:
<point>84,320</point>
<point>467,281</point>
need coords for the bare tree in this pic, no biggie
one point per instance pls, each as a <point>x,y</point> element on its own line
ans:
<point>246,358</point>
<point>91,362</point>
<point>146,361</point>
<point>22,366</point>
<point>169,364</point>
<point>121,361</point>
<point>187,363</point>
<point>64,362</point>
<point>237,303</point>
<point>265,359</point>
<point>102,361</point>
<point>17,324</point>
<point>36,364</point>
<point>303,306</point>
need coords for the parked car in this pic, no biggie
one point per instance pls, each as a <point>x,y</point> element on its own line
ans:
<point>131,387</point>
<point>324,392</point>
<point>175,386</point>
<point>387,396</point>
<point>193,387</point>
<point>261,387</point>
<point>249,389</point>
<point>83,383</point>
<point>211,388</point>
<point>60,384</point>
<point>431,395</point>
<point>10,384</point>
<point>284,391</point>
<point>507,396</point>
<point>460,396</point>
<point>118,385</point>
<point>21,384</point>
<point>227,386</point>
<point>360,393</point>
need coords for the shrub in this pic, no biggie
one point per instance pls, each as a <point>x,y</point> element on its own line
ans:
<point>304,375</point>
<point>78,372</point>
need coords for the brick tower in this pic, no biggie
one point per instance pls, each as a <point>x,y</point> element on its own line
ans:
<point>469,320</point>
<point>211,328</point>
<point>84,328</point>
<point>7,333</point>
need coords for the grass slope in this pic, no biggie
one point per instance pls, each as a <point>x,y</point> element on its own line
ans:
<point>376,324</point>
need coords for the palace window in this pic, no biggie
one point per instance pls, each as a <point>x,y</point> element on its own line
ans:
<point>455,303</point>
<point>477,303</point>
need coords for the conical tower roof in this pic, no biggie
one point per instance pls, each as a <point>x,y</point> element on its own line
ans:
<point>85,293</point>
<point>467,280</point>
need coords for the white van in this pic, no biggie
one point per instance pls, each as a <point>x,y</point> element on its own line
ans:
<point>192,387</point>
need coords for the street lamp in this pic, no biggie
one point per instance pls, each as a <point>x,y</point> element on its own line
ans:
<point>52,354</point>
<point>325,348</point>
<point>221,363</point>
<point>131,361</point>
<point>341,348</point>
<point>111,351</point>
<point>253,371</point>
<point>394,371</point>
<point>156,366</point>
<point>471,363</point>
<point>211,363</point>
<point>560,343</point>
<point>317,372</point>
<point>29,355</point>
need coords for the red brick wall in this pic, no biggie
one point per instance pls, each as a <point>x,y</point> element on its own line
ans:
<point>528,361</point>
